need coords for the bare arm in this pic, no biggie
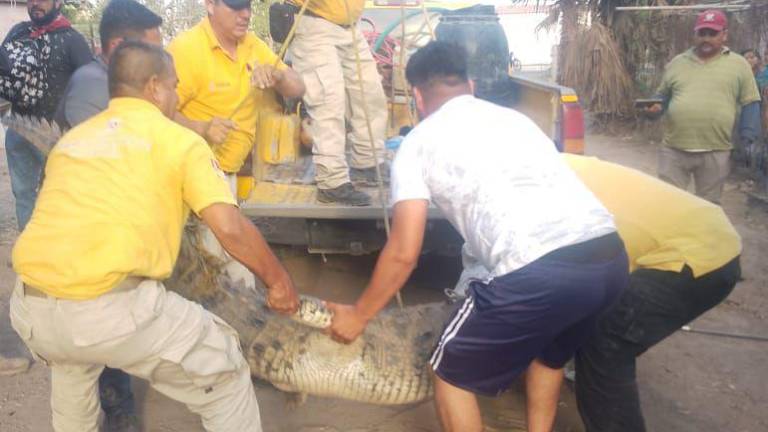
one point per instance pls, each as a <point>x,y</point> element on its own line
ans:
<point>243,241</point>
<point>214,131</point>
<point>195,126</point>
<point>291,86</point>
<point>396,262</point>
<point>286,81</point>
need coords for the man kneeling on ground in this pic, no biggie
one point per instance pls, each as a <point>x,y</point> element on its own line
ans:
<point>555,259</point>
<point>107,229</point>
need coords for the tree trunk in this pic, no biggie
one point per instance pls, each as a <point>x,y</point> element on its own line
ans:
<point>569,13</point>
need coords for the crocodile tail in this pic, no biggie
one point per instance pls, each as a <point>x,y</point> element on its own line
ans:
<point>41,133</point>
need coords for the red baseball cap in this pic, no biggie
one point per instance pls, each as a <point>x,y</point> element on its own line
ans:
<point>711,19</point>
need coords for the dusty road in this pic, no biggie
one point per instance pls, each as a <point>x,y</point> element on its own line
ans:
<point>689,382</point>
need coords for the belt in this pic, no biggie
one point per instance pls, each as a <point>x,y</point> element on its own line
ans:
<point>314,15</point>
<point>131,282</point>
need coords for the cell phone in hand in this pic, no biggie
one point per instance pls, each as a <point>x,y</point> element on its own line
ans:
<point>642,104</point>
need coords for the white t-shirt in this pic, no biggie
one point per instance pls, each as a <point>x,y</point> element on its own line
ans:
<point>500,181</point>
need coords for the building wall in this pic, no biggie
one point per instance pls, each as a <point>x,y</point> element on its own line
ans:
<point>11,15</point>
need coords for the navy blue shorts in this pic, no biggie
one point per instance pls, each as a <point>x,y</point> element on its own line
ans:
<point>545,310</point>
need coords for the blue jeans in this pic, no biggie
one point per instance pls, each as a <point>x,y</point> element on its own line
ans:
<point>25,166</point>
<point>115,392</point>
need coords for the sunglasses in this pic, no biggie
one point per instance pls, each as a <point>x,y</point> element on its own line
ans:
<point>706,32</point>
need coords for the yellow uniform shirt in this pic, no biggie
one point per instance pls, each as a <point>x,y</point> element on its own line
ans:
<point>213,84</point>
<point>335,11</point>
<point>663,227</point>
<point>117,192</point>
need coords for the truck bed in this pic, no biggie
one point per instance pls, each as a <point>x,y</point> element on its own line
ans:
<point>288,191</point>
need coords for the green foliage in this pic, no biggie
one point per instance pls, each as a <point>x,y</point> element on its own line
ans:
<point>178,15</point>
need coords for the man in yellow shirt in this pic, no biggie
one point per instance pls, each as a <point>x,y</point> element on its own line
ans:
<point>223,73</point>
<point>106,230</point>
<point>684,258</point>
<point>325,54</point>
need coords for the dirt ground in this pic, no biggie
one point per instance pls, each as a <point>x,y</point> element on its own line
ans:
<point>690,382</point>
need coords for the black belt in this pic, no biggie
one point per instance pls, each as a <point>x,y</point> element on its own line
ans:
<point>314,15</point>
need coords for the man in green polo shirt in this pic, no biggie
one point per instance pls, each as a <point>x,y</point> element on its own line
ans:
<point>704,89</point>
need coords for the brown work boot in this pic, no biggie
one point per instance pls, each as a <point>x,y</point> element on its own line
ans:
<point>13,365</point>
<point>121,423</point>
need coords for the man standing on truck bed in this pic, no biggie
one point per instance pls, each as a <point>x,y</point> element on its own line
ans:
<point>703,90</point>
<point>89,292</point>
<point>324,53</point>
<point>555,259</point>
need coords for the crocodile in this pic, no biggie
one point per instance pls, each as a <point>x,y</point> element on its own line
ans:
<point>386,365</point>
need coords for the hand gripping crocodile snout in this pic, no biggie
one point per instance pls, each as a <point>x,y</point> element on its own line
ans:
<point>386,365</point>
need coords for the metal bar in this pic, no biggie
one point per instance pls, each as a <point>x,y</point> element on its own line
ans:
<point>690,329</point>
<point>730,7</point>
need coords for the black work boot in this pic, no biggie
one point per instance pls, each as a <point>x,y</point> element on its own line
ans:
<point>121,422</point>
<point>344,194</point>
<point>367,176</point>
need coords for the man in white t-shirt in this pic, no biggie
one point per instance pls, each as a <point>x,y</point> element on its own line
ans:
<point>551,249</point>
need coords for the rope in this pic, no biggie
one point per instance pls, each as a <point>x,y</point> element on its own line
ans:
<point>401,67</point>
<point>280,55</point>
<point>366,113</point>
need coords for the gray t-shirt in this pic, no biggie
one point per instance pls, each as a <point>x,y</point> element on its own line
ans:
<point>86,95</point>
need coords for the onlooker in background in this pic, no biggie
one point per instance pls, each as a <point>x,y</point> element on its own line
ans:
<point>761,76</point>
<point>758,68</point>
<point>325,54</point>
<point>86,95</point>
<point>703,90</point>
<point>41,55</point>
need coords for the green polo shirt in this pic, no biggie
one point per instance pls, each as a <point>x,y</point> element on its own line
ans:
<point>705,99</point>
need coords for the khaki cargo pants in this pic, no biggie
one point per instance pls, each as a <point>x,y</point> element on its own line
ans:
<point>323,53</point>
<point>709,169</point>
<point>184,351</point>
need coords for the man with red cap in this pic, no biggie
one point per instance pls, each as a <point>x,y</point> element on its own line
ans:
<point>704,89</point>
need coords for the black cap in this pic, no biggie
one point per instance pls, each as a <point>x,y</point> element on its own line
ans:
<point>237,4</point>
